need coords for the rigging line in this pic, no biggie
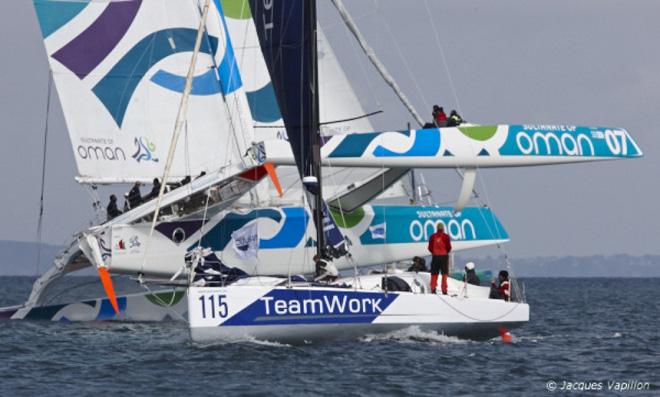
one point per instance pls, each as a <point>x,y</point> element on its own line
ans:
<point>201,229</point>
<point>363,69</point>
<point>341,211</point>
<point>474,318</point>
<point>187,153</point>
<point>181,117</point>
<point>329,122</point>
<point>225,104</point>
<point>352,118</point>
<point>502,249</point>
<point>43,175</point>
<point>444,58</point>
<point>99,211</point>
<point>369,52</point>
<point>238,100</point>
<point>394,41</point>
<point>452,86</point>
<point>50,299</point>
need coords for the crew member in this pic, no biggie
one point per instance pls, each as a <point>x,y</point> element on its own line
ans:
<point>455,119</point>
<point>471,275</point>
<point>134,196</point>
<point>418,265</point>
<point>112,209</point>
<point>439,116</point>
<point>324,270</point>
<point>185,180</point>
<point>500,289</point>
<point>155,190</point>
<point>439,247</point>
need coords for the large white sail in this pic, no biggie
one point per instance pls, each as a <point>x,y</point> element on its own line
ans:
<point>119,70</point>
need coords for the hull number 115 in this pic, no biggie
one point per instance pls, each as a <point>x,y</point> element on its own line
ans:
<point>214,306</point>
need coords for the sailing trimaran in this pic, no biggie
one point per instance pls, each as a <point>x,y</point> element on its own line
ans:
<point>118,68</point>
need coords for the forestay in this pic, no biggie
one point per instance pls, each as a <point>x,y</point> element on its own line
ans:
<point>119,70</point>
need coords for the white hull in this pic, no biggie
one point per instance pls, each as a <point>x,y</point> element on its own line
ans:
<point>304,313</point>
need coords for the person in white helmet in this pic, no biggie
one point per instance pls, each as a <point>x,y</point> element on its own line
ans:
<point>470,274</point>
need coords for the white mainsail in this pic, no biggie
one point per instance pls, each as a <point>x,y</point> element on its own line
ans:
<point>120,67</point>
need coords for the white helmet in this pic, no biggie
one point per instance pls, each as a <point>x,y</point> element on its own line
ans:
<point>469,266</point>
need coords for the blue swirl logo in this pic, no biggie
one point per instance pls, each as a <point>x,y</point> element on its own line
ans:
<point>144,150</point>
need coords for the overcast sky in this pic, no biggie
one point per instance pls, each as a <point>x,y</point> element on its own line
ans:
<point>562,62</point>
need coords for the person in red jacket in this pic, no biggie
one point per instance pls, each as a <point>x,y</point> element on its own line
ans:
<point>439,116</point>
<point>439,247</point>
<point>501,288</point>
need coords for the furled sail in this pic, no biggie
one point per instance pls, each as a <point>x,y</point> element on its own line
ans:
<point>287,35</point>
<point>119,70</point>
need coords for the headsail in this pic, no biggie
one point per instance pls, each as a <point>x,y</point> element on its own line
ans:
<point>119,69</point>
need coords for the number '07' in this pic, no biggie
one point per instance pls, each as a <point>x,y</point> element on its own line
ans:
<point>214,306</point>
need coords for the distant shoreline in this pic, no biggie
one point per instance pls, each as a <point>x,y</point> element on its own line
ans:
<point>19,259</point>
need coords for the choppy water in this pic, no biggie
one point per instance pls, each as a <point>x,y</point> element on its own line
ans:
<point>582,330</point>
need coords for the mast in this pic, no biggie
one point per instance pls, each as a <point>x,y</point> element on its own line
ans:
<point>316,127</point>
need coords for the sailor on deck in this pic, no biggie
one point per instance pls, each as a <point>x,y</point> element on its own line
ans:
<point>500,289</point>
<point>418,265</point>
<point>155,190</point>
<point>439,247</point>
<point>134,196</point>
<point>439,116</point>
<point>112,209</point>
<point>470,274</point>
<point>455,119</point>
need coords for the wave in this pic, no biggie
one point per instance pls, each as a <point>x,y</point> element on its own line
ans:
<point>414,334</point>
<point>242,339</point>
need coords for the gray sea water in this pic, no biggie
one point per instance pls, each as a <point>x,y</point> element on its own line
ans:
<point>583,333</point>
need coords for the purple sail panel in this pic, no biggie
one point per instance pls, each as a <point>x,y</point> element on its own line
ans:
<point>91,47</point>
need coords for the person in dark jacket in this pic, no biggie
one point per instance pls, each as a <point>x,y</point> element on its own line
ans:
<point>455,119</point>
<point>470,274</point>
<point>418,265</point>
<point>185,180</point>
<point>112,209</point>
<point>135,196</point>
<point>500,289</point>
<point>155,190</point>
<point>439,247</point>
